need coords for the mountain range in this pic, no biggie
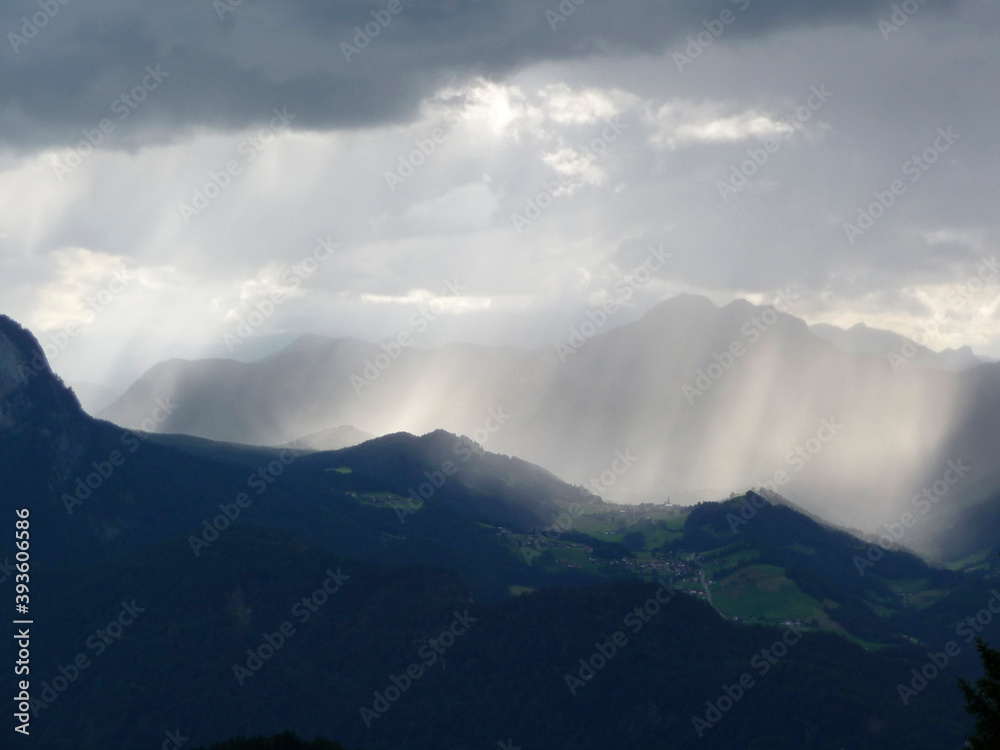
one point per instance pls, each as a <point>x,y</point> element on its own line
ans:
<point>386,595</point>
<point>706,399</point>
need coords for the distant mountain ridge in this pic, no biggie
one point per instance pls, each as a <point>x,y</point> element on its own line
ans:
<point>860,339</point>
<point>708,399</point>
<point>335,438</point>
<point>97,490</point>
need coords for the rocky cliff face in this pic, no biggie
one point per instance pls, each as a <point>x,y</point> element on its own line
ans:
<point>37,411</point>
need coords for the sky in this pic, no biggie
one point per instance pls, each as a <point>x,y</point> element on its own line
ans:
<point>501,166</point>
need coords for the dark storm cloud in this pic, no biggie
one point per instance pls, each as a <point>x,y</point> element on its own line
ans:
<point>230,63</point>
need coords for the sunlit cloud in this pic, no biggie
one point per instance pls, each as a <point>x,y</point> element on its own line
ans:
<point>79,289</point>
<point>678,123</point>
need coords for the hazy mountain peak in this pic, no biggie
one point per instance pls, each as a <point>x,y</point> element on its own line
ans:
<point>310,341</point>
<point>335,438</point>
<point>686,303</point>
<point>863,339</point>
<point>306,341</point>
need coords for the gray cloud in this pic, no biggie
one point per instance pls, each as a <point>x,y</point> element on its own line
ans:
<point>229,72</point>
<point>657,184</point>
